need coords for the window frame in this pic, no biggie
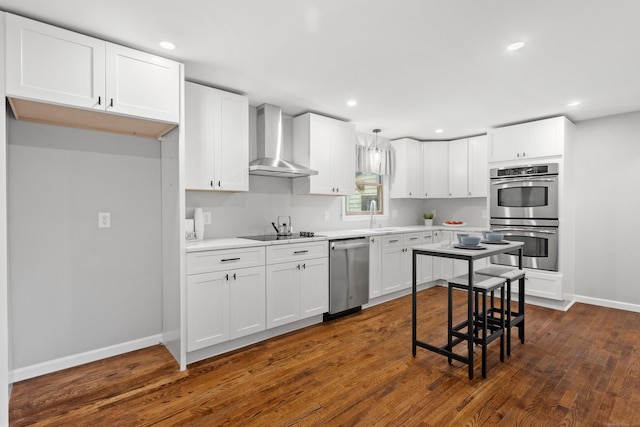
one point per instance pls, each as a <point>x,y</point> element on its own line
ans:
<point>383,210</point>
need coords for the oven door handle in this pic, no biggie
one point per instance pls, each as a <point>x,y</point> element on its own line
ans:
<point>526,230</point>
<point>510,180</point>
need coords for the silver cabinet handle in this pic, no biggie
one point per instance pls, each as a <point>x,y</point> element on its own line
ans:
<point>301,252</point>
<point>393,241</point>
<point>532,179</point>
<point>230,259</point>
<point>413,238</point>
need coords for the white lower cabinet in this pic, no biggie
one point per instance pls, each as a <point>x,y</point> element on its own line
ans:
<point>424,269</point>
<point>375,267</point>
<point>541,284</point>
<point>397,261</point>
<point>297,285</point>
<point>224,303</point>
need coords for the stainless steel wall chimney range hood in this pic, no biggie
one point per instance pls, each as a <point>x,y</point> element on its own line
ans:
<point>269,137</point>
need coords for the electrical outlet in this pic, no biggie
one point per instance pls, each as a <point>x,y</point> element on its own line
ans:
<point>206,216</point>
<point>104,220</point>
<point>434,213</point>
<point>484,213</point>
<point>326,216</point>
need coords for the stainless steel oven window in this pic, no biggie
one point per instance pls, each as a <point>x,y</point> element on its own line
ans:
<point>540,250</point>
<point>523,197</point>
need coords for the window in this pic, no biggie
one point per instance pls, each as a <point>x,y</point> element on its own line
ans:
<point>368,187</point>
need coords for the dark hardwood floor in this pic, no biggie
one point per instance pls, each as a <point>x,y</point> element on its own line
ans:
<point>579,368</point>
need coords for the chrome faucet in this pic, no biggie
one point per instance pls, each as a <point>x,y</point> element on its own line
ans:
<point>372,213</point>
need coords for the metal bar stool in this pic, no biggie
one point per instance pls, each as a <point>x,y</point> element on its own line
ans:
<point>486,326</point>
<point>514,318</point>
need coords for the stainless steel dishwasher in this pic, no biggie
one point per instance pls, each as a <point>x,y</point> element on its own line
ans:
<point>348,276</point>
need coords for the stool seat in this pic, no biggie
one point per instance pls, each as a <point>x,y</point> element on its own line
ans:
<point>504,272</point>
<point>482,282</point>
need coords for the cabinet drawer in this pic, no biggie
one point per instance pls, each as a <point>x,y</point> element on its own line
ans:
<point>297,251</point>
<point>412,239</point>
<point>392,240</point>
<point>208,261</point>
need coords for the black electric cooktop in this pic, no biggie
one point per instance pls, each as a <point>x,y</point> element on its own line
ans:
<point>271,237</point>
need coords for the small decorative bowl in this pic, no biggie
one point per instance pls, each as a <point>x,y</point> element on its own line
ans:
<point>494,237</point>
<point>470,240</point>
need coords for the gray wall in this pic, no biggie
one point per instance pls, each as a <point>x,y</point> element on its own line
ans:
<point>75,287</point>
<point>607,163</point>
<point>467,210</point>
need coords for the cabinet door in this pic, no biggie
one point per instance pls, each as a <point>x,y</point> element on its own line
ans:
<point>246,301</point>
<point>458,169</point>
<point>414,169</point>
<point>142,85</point>
<point>231,136</point>
<point>50,64</point>
<point>283,293</point>
<point>320,137</point>
<point>436,169</point>
<point>207,309</point>
<point>375,267</point>
<point>392,251</point>
<point>406,268</point>
<point>343,163</point>
<point>425,263</point>
<point>314,287</point>
<point>199,116</point>
<point>506,143</point>
<point>478,167</point>
<point>544,138</point>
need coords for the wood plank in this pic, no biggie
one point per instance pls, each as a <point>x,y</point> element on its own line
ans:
<point>581,367</point>
<point>59,115</point>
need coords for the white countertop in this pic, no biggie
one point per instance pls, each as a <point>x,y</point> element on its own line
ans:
<point>236,242</point>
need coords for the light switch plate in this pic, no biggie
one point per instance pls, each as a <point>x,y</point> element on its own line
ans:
<point>206,216</point>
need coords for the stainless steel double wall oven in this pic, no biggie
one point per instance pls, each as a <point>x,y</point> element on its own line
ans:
<point>524,207</point>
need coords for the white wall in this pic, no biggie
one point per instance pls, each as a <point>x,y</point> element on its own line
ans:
<point>607,163</point>
<point>74,287</point>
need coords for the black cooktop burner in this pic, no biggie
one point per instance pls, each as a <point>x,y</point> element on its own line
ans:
<point>271,237</point>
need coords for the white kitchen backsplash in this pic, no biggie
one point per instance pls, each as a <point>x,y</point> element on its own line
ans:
<point>251,213</point>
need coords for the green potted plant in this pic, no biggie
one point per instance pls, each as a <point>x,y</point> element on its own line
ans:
<point>428,219</point>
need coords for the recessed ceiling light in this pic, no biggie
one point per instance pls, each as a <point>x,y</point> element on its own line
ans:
<point>439,130</point>
<point>515,46</point>
<point>167,45</point>
<point>352,103</point>
<point>574,104</point>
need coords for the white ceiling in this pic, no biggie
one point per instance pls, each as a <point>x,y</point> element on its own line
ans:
<point>412,65</point>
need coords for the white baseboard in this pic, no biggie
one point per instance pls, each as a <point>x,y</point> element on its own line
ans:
<point>608,303</point>
<point>50,366</point>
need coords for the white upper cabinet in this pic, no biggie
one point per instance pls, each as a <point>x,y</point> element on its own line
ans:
<point>57,67</point>
<point>478,166</point>
<point>541,138</point>
<point>142,85</point>
<point>435,160</point>
<point>406,181</point>
<point>329,147</point>
<point>54,65</point>
<point>216,139</point>
<point>458,168</point>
